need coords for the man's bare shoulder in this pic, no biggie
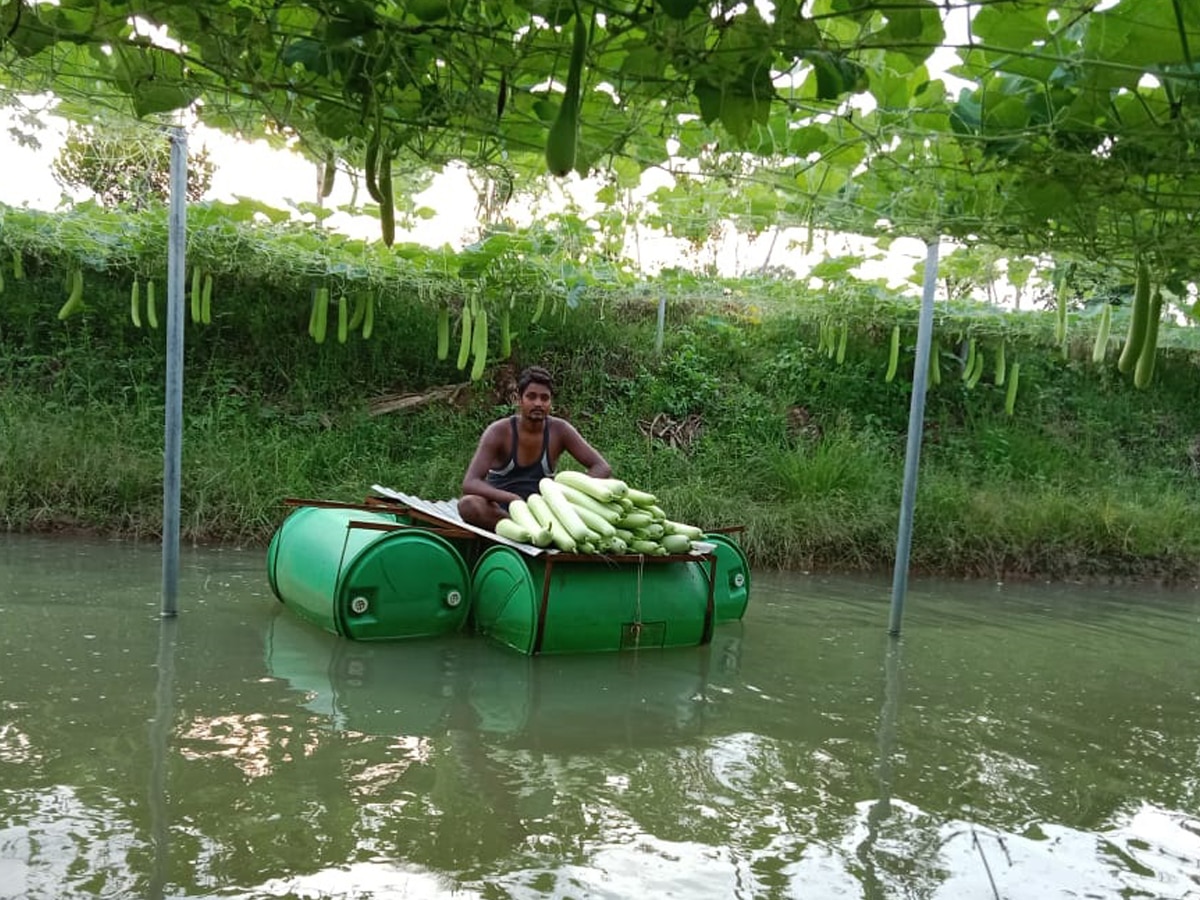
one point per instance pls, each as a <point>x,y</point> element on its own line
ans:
<point>497,430</point>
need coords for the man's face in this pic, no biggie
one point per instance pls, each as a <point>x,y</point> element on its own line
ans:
<point>535,402</point>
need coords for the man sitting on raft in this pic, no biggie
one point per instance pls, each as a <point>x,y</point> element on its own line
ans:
<point>517,452</point>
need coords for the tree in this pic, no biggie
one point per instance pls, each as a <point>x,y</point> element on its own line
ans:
<point>125,163</point>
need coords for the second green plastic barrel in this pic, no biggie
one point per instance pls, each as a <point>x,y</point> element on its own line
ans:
<point>589,606</point>
<point>731,592</point>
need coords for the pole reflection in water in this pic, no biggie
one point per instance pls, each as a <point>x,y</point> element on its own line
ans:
<point>881,809</point>
<point>159,737</point>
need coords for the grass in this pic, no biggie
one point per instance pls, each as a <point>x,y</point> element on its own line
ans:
<point>1088,479</point>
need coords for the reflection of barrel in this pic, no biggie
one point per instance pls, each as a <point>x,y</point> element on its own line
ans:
<point>372,687</point>
<point>426,687</point>
<point>731,591</point>
<point>355,574</point>
<point>587,701</point>
<point>540,605</point>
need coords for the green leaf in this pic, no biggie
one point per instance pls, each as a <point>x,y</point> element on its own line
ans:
<point>1012,25</point>
<point>738,105</point>
<point>677,9</point>
<point>913,26</point>
<point>966,116</point>
<point>803,141</point>
<point>1143,34</point>
<point>628,172</point>
<point>1006,114</point>
<point>795,35</point>
<point>429,10</point>
<point>837,266</point>
<point>1142,111</point>
<point>710,100</point>
<point>31,36</point>
<point>334,120</point>
<point>306,52</point>
<point>836,75</point>
<point>740,116</point>
<point>644,62</point>
<point>478,256</point>
<point>153,77</point>
<point>1047,198</point>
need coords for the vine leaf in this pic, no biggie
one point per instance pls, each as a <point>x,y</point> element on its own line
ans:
<point>153,78</point>
<point>737,105</point>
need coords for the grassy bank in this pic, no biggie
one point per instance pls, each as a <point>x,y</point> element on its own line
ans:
<point>742,419</point>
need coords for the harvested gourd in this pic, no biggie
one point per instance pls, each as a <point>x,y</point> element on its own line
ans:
<point>577,513</point>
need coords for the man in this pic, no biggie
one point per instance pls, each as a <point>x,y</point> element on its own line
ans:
<point>517,452</point>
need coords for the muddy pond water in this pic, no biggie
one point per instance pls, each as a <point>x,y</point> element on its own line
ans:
<point>1018,741</point>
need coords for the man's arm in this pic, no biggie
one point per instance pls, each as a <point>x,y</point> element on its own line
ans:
<point>587,455</point>
<point>488,455</point>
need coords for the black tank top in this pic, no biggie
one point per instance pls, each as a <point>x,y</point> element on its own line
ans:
<point>523,480</point>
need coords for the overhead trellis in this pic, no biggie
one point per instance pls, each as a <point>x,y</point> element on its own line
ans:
<point>1078,132</point>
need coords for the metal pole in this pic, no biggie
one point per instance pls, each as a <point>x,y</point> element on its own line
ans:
<point>173,428</point>
<point>916,425</point>
<point>662,318</point>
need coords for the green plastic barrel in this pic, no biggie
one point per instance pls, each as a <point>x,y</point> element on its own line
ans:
<point>731,592</point>
<point>366,583</point>
<point>585,606</point>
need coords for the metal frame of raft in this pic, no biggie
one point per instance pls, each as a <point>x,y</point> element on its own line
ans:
<point>599,603</point>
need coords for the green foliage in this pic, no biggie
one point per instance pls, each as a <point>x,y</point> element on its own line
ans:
<point>1093,157</point>
<point>123,163</point>
<point>682,384</point>
<point>839,468</point>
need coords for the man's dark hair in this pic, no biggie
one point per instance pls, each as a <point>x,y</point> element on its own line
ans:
<point>534,375</point>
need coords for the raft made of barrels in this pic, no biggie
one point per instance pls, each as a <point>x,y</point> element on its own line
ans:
<point>365,575</point>
<point>401,567</point>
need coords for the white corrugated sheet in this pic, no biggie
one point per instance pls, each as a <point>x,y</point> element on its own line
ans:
<point>447,511</point>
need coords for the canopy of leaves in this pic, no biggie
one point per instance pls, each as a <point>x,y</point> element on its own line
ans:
<point>1078,131</point>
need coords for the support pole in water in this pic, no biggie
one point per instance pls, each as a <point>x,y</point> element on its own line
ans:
<point>916,425</point>
<point>173,428</point>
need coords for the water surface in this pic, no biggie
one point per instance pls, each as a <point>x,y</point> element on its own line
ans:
<point>1019,741</point>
